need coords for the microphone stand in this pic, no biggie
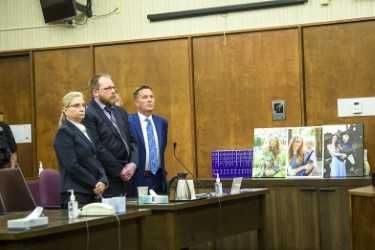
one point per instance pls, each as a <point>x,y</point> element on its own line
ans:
<point>179,161</point>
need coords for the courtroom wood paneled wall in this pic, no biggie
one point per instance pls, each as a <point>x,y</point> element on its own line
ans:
<point>16,102</point>
<point>339,63</point>
<point>236,78</point>
<point>213,89</point>
<point>56,73</point>
<point>163,65</point>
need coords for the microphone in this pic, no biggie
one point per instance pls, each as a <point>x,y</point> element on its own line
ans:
<point>184,190</point>
<point>179,161</point>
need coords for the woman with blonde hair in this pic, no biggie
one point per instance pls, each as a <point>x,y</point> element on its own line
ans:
<point>296,155</point>
<point>271,157</point>
<point>76,152</point>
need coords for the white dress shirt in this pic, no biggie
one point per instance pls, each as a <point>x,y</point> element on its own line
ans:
<point>81,128</point>
<point>143,119</point>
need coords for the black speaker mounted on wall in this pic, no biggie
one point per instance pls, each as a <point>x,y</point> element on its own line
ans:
<point>60,10</point>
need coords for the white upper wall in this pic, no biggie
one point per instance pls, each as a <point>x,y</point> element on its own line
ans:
<point>22,25</point>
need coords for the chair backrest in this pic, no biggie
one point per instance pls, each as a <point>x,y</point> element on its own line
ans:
<point>14,193</point>
<point>34,188</point>
<point>49,187</point>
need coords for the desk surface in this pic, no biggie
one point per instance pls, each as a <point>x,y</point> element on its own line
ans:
<point>368,191</point>
<point>103,232</point>
<point>178,205</point>
<point>60,223</point>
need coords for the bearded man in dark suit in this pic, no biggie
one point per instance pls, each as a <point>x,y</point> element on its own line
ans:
<point>110,127</point>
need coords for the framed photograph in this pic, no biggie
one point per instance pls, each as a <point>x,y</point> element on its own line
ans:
<point>278,110</point>
<point>269,152</point>
<point>343,150</point>
<point>304,153</point>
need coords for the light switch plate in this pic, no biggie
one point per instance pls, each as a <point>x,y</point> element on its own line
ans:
<point>357,108</point>
<point>361,106</point>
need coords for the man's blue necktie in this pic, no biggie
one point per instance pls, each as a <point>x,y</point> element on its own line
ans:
<point>152,149</point>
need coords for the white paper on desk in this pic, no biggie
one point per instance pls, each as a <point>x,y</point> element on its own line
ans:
<point>236,185</point>
<point>21,133</point>
<point>191,189</point>
<point>118,203</point>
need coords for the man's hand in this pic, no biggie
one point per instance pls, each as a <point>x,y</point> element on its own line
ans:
<point>128,171</point>
<point>99,188</point>
<point>13,160</point>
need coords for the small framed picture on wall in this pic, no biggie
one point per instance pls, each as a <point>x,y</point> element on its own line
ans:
<point>278,110</point>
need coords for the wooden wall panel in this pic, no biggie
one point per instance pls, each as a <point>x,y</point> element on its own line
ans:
<point>164,65</point>
<point>339,63</point>
<point>16,102</point>
<point>56,73</point>
<point>236,78</point>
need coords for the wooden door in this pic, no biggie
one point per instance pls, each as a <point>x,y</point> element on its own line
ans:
<point>236,77</point>
<point>16,102</point>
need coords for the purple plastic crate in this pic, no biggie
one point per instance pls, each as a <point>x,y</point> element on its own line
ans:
<point>232,163</point>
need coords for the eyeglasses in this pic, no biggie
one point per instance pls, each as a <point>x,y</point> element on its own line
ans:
<point>109,88</point>
<point>78,105</point>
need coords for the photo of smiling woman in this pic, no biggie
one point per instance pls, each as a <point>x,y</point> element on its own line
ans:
<point>269,155</point>
<point>76,152</point>
<point>304,152</point>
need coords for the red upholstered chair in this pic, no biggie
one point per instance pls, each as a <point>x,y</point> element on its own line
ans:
<point>49,187</point>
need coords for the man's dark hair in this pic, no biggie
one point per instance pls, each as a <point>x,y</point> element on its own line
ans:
<point>137,90</point>
<point>94,81</point>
